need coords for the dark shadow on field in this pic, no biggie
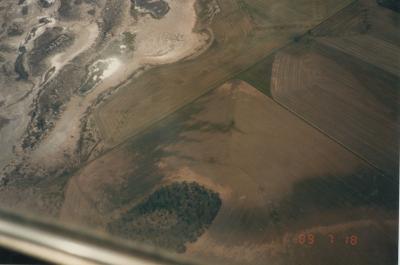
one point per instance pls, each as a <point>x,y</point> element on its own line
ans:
<point>364,189</point>
<point>317,201</point>
<point>259,75</point>
<point>358,196</point>
<point>150,146</point>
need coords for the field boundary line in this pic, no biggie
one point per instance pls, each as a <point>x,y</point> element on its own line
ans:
<point>216,85</point>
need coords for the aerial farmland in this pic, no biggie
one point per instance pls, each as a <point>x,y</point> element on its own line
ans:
<point>222,131</point>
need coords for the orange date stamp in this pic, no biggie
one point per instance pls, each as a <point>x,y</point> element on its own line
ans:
<point>310,239</point>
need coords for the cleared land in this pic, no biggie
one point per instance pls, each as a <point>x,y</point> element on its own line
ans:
<point>276,176</point>
<point>355,105</point>
<point>334,78</point>
<point>222,173</point>
<point>347,86</point>
<point>365,48</point>
<point>256,28</point>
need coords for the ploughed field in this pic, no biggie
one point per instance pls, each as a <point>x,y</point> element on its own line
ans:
<point>343,79</point>
<point>229,132</point>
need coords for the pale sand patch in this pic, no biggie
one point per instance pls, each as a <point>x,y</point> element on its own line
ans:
<point>171,38</point>
<point>113,65</point>
<point>163,41</point>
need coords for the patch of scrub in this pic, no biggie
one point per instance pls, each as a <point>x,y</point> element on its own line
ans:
<point>156,8</point>
<point>85,36</point>
<point>171,216</point>
<point>3,121</point>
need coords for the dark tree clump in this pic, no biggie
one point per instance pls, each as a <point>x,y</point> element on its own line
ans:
<point>171,216</point>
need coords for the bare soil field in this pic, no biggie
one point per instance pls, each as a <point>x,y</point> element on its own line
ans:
<point>337,61</point>
<point>343,86</point>
<point>365,48</point>
<point>362,17</point>
<point>276,177</point>
<point>256,28</point>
